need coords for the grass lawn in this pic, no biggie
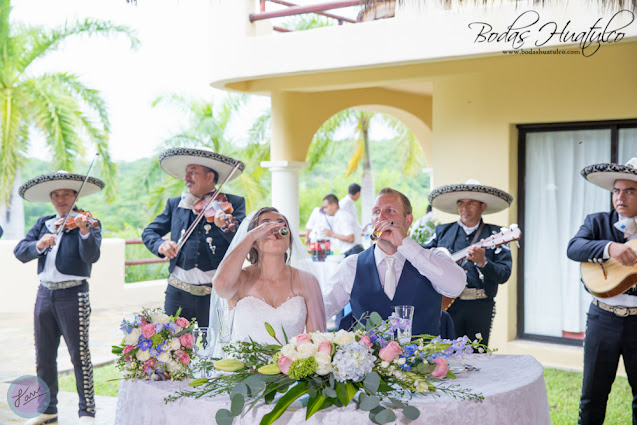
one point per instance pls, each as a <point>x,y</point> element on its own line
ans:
<point>563,390</point>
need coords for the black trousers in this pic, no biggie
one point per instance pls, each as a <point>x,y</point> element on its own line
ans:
<point>473,316</point>
<point>607,337</point>
<point>192,306</point>
<point>64,312</point>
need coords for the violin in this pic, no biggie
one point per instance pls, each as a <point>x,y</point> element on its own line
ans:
<point>220,203</point>
<point>70,222</point>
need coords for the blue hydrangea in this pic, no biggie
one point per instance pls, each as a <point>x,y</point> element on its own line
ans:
<point>352,362</point>
<point>126,327</point>
<point>144,344</point>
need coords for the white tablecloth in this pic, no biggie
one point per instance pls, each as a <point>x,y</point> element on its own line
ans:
<point>513,388</point>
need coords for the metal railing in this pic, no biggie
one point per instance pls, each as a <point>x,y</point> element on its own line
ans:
<point>295,9</point>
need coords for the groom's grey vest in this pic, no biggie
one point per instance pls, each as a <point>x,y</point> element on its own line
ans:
<point>413,288</point>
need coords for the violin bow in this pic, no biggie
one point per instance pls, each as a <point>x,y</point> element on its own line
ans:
<point>68,213</point>
<point>191,228</point>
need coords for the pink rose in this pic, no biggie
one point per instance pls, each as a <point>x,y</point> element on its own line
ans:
<point>150,362</point>
<point>128,349</point>
<point>148,330</point>
<point>144,321</point>
<point>325,347</point>
<point>302,339</point>
<point>128,358</point>
<point>187,340</point>
<point>182,322</point>
<point>390,352</point>
<point>284,364</point>
<point>442,367</point>
<point>184,358</point>
<point>365,341</point>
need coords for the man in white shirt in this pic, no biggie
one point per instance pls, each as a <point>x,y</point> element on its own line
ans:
<point>395,271</point>
<point>344,230</point>
<point>347,203</point>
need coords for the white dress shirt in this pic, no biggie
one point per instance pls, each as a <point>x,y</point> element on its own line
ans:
<point>447,277</point>
<point>468,230</point>
<point>50,273</point>
<point>194,276</point>
<point>347,205</point>
<point>344,224</point>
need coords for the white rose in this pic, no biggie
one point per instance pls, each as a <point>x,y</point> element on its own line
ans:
<point>160,318</point>
<point>142,356</point>
<point>319,337</point>
<point>133,337</point>
<point>290,352</point>
<point>343,337</point>
<point>163,357</point>
<point>307,350</point>
<point>384,364</point>
<point>401,361</point>
<point>324,362</point>
<point>173,366</point>
<point>174,344</point>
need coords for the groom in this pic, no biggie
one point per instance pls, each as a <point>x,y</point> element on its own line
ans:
<point>395,271</point>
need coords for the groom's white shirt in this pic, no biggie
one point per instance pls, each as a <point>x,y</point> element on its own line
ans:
<point>447,277</point>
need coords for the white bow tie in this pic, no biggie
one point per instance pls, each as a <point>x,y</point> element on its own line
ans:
<point>628,226</point>
<point>188,200</point>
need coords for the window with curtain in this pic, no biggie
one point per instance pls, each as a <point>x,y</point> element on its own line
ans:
<point>554,200</point>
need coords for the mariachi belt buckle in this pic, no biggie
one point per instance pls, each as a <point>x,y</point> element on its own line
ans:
<point>621,311</point>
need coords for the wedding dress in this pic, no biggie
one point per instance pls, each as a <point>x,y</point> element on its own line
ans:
<point>251,313</point>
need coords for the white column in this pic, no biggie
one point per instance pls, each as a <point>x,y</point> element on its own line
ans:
<point>285,188</point>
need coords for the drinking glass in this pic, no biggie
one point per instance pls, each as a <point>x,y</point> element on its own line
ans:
<point>225,316</point>
<point>406,314</point>
<point>203,349</point>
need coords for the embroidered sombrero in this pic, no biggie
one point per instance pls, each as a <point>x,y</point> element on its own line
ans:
<point>174,162</point>
<point>39,189</point>
<point>444,198</point>
<point>604,175</point>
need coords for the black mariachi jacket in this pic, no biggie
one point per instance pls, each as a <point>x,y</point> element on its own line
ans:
<point>75,255</point>
<point>196,252</point>
<point>499,261</point>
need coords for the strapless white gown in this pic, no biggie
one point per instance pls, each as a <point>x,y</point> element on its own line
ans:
<point>251,313</point>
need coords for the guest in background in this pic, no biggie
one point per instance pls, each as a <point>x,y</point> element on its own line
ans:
<point>347,203</point>
<point>345,231</point>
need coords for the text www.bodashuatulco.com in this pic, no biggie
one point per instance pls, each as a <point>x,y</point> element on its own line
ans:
<point>541,52</point>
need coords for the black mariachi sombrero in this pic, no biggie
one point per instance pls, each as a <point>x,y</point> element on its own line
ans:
<point>39,189</point>
<point>174,162</point>
<point>445,198</point>
<point>604,175</point>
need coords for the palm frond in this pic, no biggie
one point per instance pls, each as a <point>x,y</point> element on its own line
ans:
<point>352,165</point>
<point>12,143</point>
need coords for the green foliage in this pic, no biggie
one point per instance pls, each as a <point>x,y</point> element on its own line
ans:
<point>106,380</point>
<point>423,233</point>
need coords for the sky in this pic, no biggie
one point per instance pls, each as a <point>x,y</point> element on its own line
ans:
<point>172,58</point>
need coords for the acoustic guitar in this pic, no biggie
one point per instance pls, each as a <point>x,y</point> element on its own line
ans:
<point>513,233</point>
<point>610,278</point>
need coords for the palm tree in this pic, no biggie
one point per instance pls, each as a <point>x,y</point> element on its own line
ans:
<point>207,127</point>
<point>406,145</point>
<point>58,105</point>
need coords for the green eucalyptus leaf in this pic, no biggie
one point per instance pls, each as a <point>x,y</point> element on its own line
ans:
<point>397,403</point>
<point>385,416</point>
<point>411,412</point>
<point>372,414</point>
<point>384,387</point>
<point>255,382</point>
<point>236,405</point>
<point>224,417</point>
<point>372,382</point>
<point>312,391</point>
<point>329,392</point>
<point>331,380</point>
<point>369,403</point>
<point>375,319</point>
<point>240,388</point>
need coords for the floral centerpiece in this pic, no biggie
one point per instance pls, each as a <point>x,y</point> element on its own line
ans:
<point>155,346</point>
<point>332,367</point>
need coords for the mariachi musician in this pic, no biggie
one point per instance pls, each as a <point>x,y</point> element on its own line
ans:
<point>193,265</point>
<point>65,254</point>
<point>611,325</point>
<point>473,311</point>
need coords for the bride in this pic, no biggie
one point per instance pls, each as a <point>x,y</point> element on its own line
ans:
<point>277,287</point>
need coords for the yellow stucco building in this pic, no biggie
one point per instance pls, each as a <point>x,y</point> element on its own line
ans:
<point>524,114</point>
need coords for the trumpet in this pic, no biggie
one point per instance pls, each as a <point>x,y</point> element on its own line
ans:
<point>376,233</point>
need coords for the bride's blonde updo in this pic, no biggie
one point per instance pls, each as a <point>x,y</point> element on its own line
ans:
<point>253,255</point>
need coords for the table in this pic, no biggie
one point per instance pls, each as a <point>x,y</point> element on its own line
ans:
<point>513,387</point>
